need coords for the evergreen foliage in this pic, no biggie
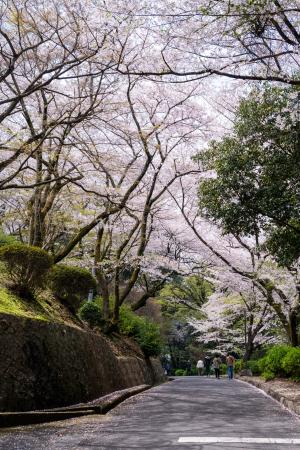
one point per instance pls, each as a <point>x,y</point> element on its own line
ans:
<point>291,363</point>
<point>26,267</point>
<point>271,365</point>
<point>7,239</point>
<point>257,173</point>
<point>71,284</point>
<point>179,372</point>
<point>90,312</point>
<point>144,331</point>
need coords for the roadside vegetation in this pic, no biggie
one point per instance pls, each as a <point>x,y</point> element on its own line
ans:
<point>280,361</point>
<point>38,289</point>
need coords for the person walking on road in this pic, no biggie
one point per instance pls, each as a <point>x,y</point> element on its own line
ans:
<point>216,365</point>
<point>207,363</point>
<point>188,367</point>
<point>200,366</point>
<point>230,364</point>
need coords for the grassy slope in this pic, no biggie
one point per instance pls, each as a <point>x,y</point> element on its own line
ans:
<point>44,307</point>
<point>48,309</point>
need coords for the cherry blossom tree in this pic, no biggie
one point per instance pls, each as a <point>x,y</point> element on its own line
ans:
<point>149,133</point>
<point>243,259</point>
<point>249,40</point>
<point>237,321</point>
<point>102,105</point>
<point>45,52</point>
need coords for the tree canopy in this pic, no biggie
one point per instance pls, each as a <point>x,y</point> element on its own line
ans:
<point>103,106</point>
<point>255,187</point>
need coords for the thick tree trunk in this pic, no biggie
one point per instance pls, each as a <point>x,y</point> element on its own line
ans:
<point>293,329</point>
<point>248,351</point>
<point>102,289</point>
<point>35,233</point>
<point>141,302</point>
<point>117,305</point>
<point>38,224</point>
<point>102,285</point>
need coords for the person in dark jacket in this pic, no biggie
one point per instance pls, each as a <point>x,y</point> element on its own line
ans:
<point>207,364</point>
<point>188,367</point>
<point>216,365</point>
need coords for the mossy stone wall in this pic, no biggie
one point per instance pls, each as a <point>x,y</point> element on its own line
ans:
<point>48,365</point>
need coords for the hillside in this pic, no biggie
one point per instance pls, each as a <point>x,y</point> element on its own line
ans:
<point>43,307</point>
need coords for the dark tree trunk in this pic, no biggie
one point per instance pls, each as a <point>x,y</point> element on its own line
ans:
<point>102,289</point>
<point>102,284</point>
<point>116,313</point>
<point>248,351</point>
<point>293,329</point>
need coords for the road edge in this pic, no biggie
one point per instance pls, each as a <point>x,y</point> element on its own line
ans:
<point>98,406</point>
<point>291,405</point>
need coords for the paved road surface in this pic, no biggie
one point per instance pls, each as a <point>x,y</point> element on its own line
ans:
<point>163,417</point>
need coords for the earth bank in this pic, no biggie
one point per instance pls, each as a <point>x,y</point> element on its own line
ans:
<point>47,364</point>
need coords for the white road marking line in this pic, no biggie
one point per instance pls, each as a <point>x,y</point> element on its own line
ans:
<point>236,440</point>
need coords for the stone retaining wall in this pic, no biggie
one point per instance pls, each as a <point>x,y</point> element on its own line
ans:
<point>284,391</point>
<point>48,365</point>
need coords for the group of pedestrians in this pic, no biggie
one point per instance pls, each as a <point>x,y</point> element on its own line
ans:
<point>215,363</point>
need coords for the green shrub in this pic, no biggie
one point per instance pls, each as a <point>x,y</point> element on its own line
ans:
<point>7,239</point>
<point>129,322</point>
<point>239,365</point>
<point>223,369</point>
<point>268,375</point>
<point>262,364</point>
<point>291,362</point>
<point>179,372</point>
<point>194,370</point>
<point>272,362</point>
<point>149,338</point>
<point>26,267</point>
<point>90,312</point>
<point>253,365</point>
<point>71,284</point>
<point>144,331</point>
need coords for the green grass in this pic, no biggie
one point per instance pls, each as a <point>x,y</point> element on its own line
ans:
<point>11,304</point>
<point>43,307</point>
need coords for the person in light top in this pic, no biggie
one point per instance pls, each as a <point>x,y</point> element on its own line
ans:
<point>200,366</point>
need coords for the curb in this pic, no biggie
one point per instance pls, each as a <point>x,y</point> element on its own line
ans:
<point>291,405</point>
<point>99,406</point>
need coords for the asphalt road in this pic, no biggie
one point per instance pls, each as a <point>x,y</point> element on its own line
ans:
<point>168,415</point>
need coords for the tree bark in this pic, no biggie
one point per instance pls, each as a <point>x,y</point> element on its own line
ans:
<point>293,329</point>
<point>248,351</point>
<point>102,285</point>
